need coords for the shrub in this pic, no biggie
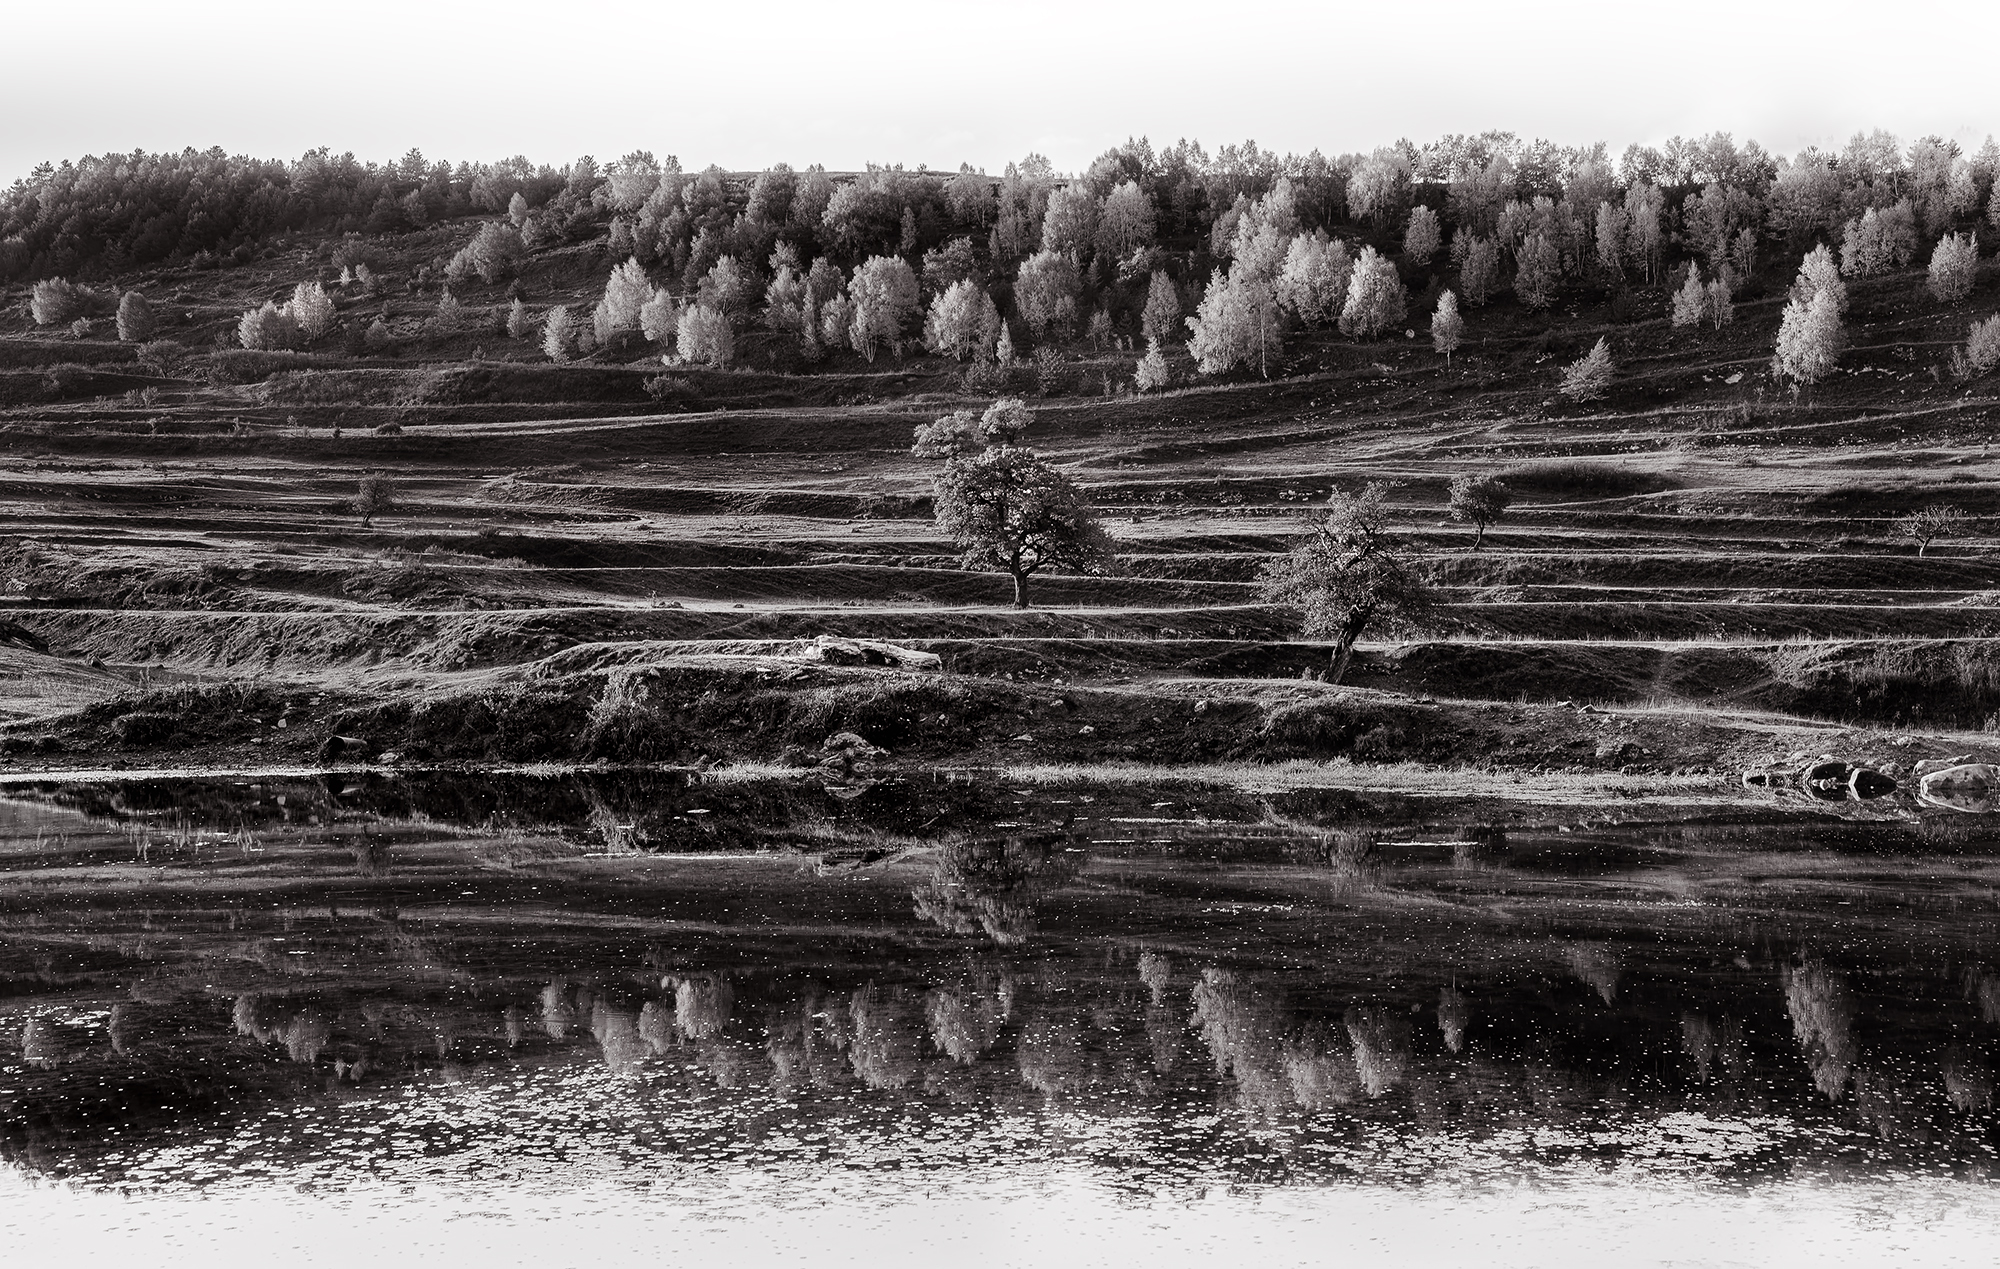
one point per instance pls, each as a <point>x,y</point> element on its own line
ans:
<point>135,318</point>
<point>1954,264</point>
<point>672,390</point>
<point>54,302</point>
<point>378,336</point>
<point>1589,376</point>
<point>267,328</point>
<point>704,336</point>
<point>80,328</point>
<point>494,254</point>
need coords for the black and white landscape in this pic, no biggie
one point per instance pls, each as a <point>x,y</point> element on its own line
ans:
<point>1396,703</point>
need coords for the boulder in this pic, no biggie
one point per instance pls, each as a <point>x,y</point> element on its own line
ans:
<point>1973,787</point>
<point>831,650</point>
<point>335,747</point>
<point>1865,783</point>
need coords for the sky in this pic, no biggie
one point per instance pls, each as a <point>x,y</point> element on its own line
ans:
<point>850,82</point>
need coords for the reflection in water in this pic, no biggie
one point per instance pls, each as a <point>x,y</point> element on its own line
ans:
<point>1823,1021</point>
<point>200,1017</point>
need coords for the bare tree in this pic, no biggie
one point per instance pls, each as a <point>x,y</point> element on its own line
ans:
<point>1928,525</point>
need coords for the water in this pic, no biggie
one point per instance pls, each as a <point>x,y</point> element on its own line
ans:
<point>562,1016</point>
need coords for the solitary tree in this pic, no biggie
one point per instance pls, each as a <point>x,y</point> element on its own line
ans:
<point>135,318</point>
<point>1589,376</point>
<point>1479,500</point>
<point>558,334</point>
<point>1152,374</point>
<point>1927,526</point>
<point>375,497</point>
<point>1810,339</point>
<point>1982,349</point>
<point>1005,508</point>
<point>1447,327</point>
<point>1346,573</point>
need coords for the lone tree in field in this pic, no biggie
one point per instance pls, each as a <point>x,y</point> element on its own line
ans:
<point>1927,526</point>
<point>135,318</point>
<point>375,497</point>
<point>1447,327</point>
<point>1589,376</point>
<point>1347,573</point>
<point>1007,510</point>
<point>1479,500</point>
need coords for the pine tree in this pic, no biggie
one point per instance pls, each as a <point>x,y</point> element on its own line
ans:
<point>1447,327</point>
<point>1152,374</point>
<point>518,321</point>
<point>558,334</point>
<point>1589,376</point>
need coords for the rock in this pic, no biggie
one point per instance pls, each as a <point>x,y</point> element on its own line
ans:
<point>1972,787</point>
<point>829,650</point>
<point>1201,707</point>
<point>1864,783</point>
<point>1927,765</point>
<point>851,745</point>
<point>1086,730</point>
<point>1619,751</point>
<point>344,747</point>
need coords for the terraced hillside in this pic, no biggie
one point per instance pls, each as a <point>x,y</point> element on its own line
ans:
<point>1713,559</point>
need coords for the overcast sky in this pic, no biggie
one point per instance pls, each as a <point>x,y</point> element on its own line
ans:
<point>847,82</point>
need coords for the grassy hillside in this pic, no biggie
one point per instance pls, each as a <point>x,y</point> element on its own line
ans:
<point>1706,556</point>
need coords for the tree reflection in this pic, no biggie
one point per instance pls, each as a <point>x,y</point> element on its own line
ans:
<point>617,1034</point>
<point>1381,1039</point>
<point>992,885</point>
<point>886,1051</point>
<point>1823,1022</point>
<point>1454,1016</point>
<point>702,1004</point>
<point>965,1020</point>
<point>1595,965</point>
<point>558,1010</point>
<point>807,1041</point>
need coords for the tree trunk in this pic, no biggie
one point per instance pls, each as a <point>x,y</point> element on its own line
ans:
<point>1480,536</point>
<point>1343,652</point>
<point>1020,590</point>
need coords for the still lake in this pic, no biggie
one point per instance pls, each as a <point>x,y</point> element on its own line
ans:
<point>607,1017</point>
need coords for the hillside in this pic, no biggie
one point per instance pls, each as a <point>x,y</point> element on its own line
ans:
<point>612,558</point>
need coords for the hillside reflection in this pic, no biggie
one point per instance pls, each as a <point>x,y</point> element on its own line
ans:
<point>205,982</point>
